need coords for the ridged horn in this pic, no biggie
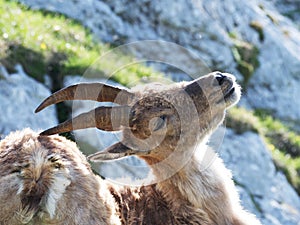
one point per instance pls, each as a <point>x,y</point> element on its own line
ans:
<point>88,91</point>
<point>116,151</point>
<point>103,118</point>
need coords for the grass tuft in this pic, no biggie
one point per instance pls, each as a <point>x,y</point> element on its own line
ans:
<point>256,25</point>
<point>283,142</point>
<point>50,43</point>
<point>246,57</point>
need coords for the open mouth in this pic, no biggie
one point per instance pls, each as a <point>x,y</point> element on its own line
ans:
<point>229,92</point>
<point>232,95</point>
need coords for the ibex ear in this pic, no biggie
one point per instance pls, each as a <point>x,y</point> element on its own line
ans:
<point>113,152</point>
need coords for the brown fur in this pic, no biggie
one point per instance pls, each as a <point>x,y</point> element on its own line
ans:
<point>85,200</point>
<point>168,128</point>
<point>147,205</point>
<point>189,189</point>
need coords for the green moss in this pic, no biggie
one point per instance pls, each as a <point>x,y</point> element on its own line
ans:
<point>281,136</point>
<point>261,6</point>
<point>233,35</point>
<point>246,57</point>
<point>241,120</point>
<point>273,19</point>
<point>259,28</point>
<point>288,165</point>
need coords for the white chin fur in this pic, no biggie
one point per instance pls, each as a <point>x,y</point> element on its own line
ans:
<point>56,190</point>
<point>234,97</point>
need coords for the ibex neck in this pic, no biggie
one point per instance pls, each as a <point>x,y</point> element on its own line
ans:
<point>203,183</point>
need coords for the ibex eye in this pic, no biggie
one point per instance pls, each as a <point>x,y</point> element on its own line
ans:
<point>57,165</point>
<point>16,170</point>
<point>19,168</point>
<point>158,123</point>
<point>53,158</point>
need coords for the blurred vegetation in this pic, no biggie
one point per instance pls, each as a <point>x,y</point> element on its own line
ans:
<point>283,142</point>
<point>293,14</point>
<point>246,57</point>
<point>256,25</point>
<point>50,43</point>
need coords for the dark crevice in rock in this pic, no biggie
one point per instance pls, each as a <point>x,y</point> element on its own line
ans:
<point>57,79</point>
<point>251,195</point>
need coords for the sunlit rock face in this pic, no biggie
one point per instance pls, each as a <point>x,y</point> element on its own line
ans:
<point>264,190</point>
<point>19,95</point>
<point>210,29</point>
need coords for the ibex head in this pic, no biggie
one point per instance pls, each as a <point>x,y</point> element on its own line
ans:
<point>36,177</point>
<point>155,119</point>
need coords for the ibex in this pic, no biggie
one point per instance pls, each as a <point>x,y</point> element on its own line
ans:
<point>165,125</point>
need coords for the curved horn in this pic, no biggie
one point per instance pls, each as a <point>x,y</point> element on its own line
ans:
<point>104,118</point>
<point>113,152</point>
<point>116,151</point>
<point>88,91</point>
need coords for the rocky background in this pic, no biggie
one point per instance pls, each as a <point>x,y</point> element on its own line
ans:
<point>257,40</point>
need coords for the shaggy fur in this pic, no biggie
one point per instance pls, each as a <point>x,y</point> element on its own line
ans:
<point>50,181</point>
<point>169,128</point>
<point>33,169</point>
<point>47,180</point>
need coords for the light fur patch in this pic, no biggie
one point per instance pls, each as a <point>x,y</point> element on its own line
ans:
<point>56,190</point>
<point>39,158</point>
<point>21,187</point>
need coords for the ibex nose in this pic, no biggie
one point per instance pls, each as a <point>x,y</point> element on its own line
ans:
<point>220,78</point>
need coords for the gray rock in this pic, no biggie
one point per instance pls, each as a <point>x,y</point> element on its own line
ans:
<point>264,191</point>
<point>19,96</point>
<point>289,8</point>
<point>88,12</point>
<point>203,26</point>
